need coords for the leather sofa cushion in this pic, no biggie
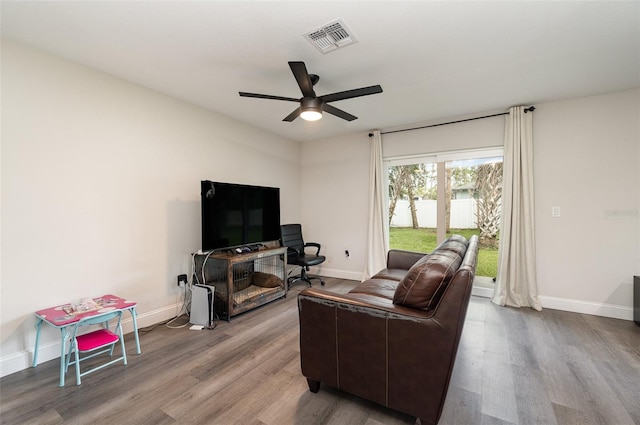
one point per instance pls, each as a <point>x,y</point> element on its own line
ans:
<point>401,259</point>
<point>391,274</point>
<point>453,244</point>
<point>379,287</point>
<point>425,282</point>
<point>459,238</point>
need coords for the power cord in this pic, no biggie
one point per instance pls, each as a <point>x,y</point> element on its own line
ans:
<point>169,323</point>
<point>184,310</point>
<point>212,326</point>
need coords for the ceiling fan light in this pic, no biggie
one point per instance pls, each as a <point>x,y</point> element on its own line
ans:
<point>311,115</point>
<point>311,109</point>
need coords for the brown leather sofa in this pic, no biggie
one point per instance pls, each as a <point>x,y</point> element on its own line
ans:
<point>393,338</point>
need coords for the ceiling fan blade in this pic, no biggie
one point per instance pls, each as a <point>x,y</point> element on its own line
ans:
<point>338,112</point>
<point>267,96</point>
<point>302,77</point>
<point>292,116</point>
<point>348,94</point>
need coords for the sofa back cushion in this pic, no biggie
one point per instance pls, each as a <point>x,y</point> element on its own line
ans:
<point>455,243</point>
<point>391,274</point>
<point>425,282</point>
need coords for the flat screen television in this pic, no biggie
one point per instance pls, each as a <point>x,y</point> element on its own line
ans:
<point>235,215</point>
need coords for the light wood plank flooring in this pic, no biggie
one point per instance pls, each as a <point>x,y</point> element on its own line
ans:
<point>514,366</point>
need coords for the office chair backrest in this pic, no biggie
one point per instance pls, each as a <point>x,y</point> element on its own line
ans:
<point>291,236</point>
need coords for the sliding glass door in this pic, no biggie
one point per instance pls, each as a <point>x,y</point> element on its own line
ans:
<point>434,196</point>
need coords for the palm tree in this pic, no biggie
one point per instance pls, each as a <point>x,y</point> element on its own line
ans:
<point>489,188</point>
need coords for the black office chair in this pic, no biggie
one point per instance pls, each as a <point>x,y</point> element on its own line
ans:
<point>291,237</point>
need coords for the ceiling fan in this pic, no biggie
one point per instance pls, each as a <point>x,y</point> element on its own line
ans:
<point>312,106</point>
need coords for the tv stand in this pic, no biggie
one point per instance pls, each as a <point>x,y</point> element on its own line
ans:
<point>242,281</point>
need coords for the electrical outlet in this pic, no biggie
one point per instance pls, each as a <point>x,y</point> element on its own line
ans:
<point>346,254</point>
<point>182,279</point>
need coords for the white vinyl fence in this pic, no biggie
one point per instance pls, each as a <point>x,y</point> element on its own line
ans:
<point>463,214</point>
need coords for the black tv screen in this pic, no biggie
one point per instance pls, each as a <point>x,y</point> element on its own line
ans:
<point>238,215</point>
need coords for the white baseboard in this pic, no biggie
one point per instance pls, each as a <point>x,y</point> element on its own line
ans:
<point>339,274</point>
<point>587,307</point>
<point>18,361</point>
<point>575,306</point>
<point>483,292</point>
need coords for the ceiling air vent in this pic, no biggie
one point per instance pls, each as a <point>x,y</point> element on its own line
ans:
<point>331,36</point>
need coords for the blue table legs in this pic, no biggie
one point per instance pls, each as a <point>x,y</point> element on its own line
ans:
<point>63,354</point>
<point>135,328</point>
<point>35,349</point>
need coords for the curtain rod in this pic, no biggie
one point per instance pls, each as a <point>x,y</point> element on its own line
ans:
<point>529,109</point>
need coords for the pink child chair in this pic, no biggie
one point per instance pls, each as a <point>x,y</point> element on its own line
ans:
<point>96,342</point>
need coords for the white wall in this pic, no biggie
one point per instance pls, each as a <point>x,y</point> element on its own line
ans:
<point>335,196</point>
<point>586,159</point>
<point>476,134</point>
<point>586,152</point>
<point>100,191</point>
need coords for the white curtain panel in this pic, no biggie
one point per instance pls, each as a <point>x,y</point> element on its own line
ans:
<point>516,284</point>
<point>378,232</point>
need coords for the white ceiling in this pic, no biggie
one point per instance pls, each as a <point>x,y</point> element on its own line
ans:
<point>434,59</point>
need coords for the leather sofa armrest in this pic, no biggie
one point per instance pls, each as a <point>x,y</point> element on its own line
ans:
<point>374,349</point>
<point>371,304</point>
<point>344,334</point>
<point>400,259</point>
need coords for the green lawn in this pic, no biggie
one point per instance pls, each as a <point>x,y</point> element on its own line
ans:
<point>424,240</point>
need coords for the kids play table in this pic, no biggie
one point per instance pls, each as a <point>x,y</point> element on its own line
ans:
<point>63,318</point>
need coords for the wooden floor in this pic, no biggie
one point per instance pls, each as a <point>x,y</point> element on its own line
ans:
<point>513,367</point>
